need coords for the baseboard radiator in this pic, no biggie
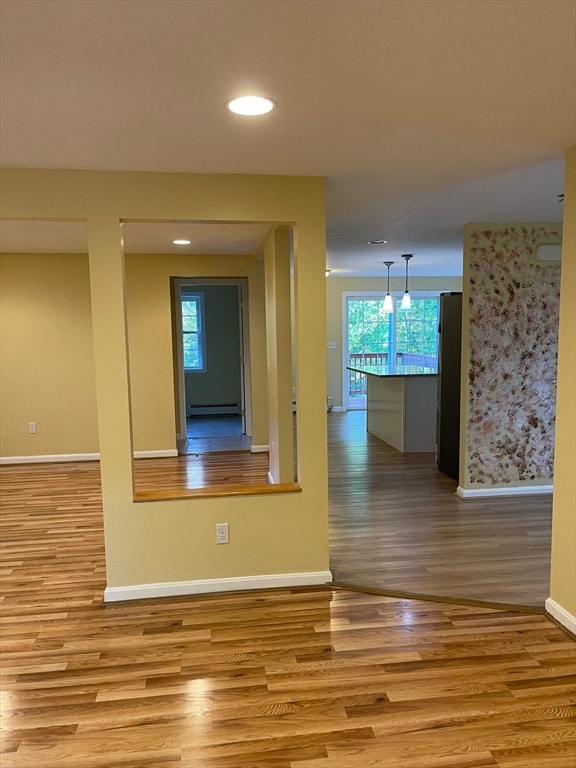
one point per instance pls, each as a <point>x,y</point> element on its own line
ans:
<point>219,409</point>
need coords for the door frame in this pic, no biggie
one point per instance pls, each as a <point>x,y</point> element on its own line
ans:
<point>346,295</point>
<point>244,334</point>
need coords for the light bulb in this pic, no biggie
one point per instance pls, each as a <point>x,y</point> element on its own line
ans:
<point>251,105</point>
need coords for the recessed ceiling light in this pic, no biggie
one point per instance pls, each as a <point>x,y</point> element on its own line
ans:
<point>377,242</point>
<point>182,242</point>
<point>251,105</point>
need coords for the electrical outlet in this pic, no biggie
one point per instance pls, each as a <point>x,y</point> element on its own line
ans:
<point>222,533</point>
<point>32,427</point>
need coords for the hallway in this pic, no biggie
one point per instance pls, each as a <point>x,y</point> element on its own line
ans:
<point>213,434</point>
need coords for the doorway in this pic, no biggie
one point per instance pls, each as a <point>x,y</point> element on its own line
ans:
<point>376,337</point>
<point>212,365</point>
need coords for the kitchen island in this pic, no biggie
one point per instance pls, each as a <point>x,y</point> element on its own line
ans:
<point>401,405</point>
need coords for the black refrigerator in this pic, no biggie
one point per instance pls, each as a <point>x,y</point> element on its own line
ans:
<point>448,405</point>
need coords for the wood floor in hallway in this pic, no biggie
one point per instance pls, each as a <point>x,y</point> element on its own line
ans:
<point>293,678</point>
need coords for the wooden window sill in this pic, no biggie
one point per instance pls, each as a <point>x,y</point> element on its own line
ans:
<point>166,494</point>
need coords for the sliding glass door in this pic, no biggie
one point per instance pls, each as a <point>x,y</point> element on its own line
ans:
<point>375,337</point>
<point>368,340</point>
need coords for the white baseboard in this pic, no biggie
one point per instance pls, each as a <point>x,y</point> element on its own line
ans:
<point>561,615</point>
<point>49,458</point>
<point>260,449</point>
<point>163,454</point>
<point>202,586</point>
<point>514,490</point>
<point>59,457</point>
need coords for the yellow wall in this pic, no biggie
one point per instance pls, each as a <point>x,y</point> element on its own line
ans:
<point>279,355</point>
<point>150,340</point>
<point>563,572</point>
<point>158,542</point>
<point>336,286</point>
<point>47,356</point>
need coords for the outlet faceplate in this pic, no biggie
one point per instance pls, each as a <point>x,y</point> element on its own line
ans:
<point>32,427</point>
<point>222,533</point>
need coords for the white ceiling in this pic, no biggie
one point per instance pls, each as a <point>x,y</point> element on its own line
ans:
<point>423,115</point>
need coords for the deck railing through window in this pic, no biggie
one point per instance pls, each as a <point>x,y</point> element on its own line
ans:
<point>357,381</point>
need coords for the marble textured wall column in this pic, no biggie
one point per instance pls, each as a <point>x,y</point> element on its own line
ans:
<point>510,355</point>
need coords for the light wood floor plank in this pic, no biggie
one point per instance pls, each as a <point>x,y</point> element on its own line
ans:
<point>302,678</point>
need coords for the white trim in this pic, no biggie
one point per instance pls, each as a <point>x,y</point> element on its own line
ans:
<point>270,479</point>
<point>260,449</point>
<point>561,615</point>
<point>338,409</point>
<point>50,458</point>
<point>509,490</point>
<point>202,586</point>
<point>163,454</point>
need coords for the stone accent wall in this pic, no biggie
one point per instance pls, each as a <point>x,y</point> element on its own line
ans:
<point>513,333</point>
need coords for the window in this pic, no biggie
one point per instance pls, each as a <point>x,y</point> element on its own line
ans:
<point>417,333</point>
<point>193,345</point>
<point>374,337</point>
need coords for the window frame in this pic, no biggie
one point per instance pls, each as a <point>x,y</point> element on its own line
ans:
<point>198,298</point>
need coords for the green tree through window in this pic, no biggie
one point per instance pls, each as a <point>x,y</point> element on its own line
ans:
<point>417,329</point>
<point>192,332</point>
<point>375,337</point>
<point>370,329</point>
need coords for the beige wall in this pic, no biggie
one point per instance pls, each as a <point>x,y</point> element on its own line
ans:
<point>563,572</point>
<point>279,355</point>
<point>337,286</point>
<point>150,340</point>
<point>159,542</point>
<point>47,356</point>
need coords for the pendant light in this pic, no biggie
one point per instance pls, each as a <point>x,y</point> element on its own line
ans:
<point>388,303</point>
<point>406,303</point>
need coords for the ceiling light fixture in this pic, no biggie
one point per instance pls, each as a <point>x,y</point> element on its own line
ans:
<point>406,303</point>
<point>388,303</point>
<point>181,242</point>
<point>251,105</point>
<point>377,242</point>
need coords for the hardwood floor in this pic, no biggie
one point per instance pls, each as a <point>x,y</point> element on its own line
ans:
<point>303,678</point>
<point>201,471</point>
<point>395,521</point>
<point>397,525</point>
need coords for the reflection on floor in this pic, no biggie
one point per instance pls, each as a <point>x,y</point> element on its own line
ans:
<point>397,524</point>
<point>212,434</point>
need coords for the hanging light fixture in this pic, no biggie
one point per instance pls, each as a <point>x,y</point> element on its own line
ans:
<point>388,303</point>
<point>406,303</point>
